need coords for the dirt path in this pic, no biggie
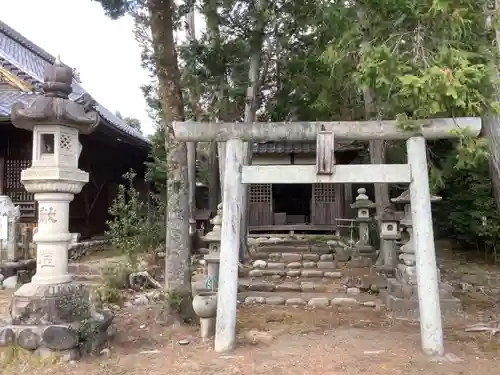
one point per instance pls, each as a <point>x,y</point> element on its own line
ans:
<point>276,341</point>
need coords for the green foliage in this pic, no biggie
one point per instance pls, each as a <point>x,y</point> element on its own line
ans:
<point>468,210</point>
<point>135,226</point>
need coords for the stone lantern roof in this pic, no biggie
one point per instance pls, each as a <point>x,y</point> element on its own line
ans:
<point>54,107</point>
<point>404,198</point>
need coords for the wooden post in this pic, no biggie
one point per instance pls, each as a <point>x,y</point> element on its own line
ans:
<point>325,153</point>
<point>225,334</point>
<point>431,330</point>
<point>2,166</point>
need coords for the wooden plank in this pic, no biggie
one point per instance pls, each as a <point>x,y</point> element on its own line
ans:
<point>307,131</point>
<point>306,174</point>
<point>325,158</point>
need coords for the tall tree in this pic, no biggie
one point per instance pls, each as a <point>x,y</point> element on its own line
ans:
<point>160,16</point>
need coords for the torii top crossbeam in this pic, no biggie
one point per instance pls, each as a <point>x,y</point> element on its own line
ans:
<point>308,131</point>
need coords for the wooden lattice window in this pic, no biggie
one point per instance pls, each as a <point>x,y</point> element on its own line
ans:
<point>324,193</point>
<point>260,193</point>
<point>15,189</point>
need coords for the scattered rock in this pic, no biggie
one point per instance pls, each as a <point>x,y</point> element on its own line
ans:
<point>353,291</point>
<point>28,339</point>
<point>255,337</point>
<point>106,352</point>
<point>7,336</point>
<point>141,300</point>
<point>275,300</point>
<point>259,264</point>
<point>319,302</point>
<point>369,304</point>
<point>60,338</point>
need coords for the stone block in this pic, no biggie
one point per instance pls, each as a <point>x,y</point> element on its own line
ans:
<point>260,256</point>
<point>333,275</point>
<point>255,273</point>
<point>274,257</point>
<point>360,262</point>
<point>309,264</point>
<point>275,300</point>
<point>344,301</point>
<point>291,257</point>
<point>294,265</point>
<point>293,273</point>
<point>261,286</point>
<point>295,302</point>
<point>7,336</point>
<point>408,308</point>
<point>271,272</point>
<point>319,302</point>
<point>29,340</point>
<point>312,273</point>
<point>326,257</point>
<point>327,265</point>
<point>288,287</point>
<point>255,300</point>
<point>320,249</point>
<point>310,257</point>
<point>276,266</point>
<point>60,338</point>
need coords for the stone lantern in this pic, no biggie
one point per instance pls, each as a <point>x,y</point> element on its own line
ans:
<point>363,205</point>
<point>52,298</point>
<point>212,259</point>
<point>389,233</point>
<point>402,291</point>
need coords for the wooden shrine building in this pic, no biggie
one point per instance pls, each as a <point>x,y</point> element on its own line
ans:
<point>112,150</point>
<point>299,207</point>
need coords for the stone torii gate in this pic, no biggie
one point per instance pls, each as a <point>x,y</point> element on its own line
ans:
<point>325,171</point>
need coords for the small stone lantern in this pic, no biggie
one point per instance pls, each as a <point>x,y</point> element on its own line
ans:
<point>389,233</point>
<point>212,259</point>
<point>363,205</point>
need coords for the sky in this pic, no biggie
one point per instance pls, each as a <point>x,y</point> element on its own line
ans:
<point>103,51</point>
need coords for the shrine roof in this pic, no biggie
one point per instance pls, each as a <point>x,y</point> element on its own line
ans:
<point>27,62</point>
<point>301,147</point>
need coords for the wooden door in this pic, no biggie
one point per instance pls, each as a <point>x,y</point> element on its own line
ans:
<point>260,207</point>
<point>325,205</point>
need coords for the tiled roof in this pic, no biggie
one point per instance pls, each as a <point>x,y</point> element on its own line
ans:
<point>28,61</point>
<point>9,97</point>
<point>300,147</point>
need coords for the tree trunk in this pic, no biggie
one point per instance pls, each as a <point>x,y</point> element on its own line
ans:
<point>377,148</point>
<point>491,126</point>
<point>177,261</point>
<point>213,178</point>
<point>251,108</point>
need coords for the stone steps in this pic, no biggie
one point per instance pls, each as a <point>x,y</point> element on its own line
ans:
<point>299,249</point>
<point>299,285</point>
<point>312,299</point>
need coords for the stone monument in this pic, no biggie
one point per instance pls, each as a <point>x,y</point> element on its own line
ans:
<point>52,310</point>
<point>402,291</point>
<point>9,216</point>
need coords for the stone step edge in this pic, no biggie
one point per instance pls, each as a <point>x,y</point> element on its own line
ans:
<point>296,272</point>
<point>304,249</point>
<point>320,300</point>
